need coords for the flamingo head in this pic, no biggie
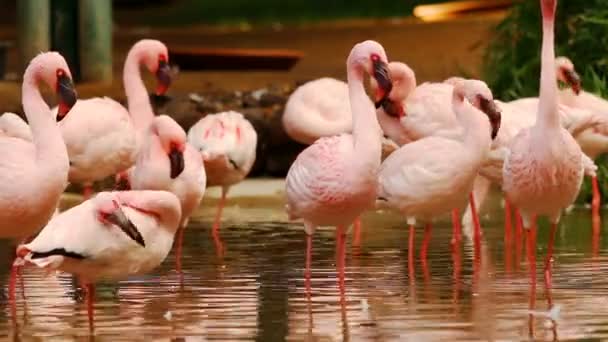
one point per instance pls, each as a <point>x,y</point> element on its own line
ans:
<point>404,82</point>
<point>567,74</point>
<point>481,97</point>
<point>369,56</point>
<point>548,8</point>
<point>66,93</point>
<point>155,56</point>
<point>173,142</point>
<point>109,212</point>
<point>163,75</point>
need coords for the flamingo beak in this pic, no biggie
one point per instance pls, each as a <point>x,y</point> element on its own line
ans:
<point>383,78</point>
<point>492,111</point>
<point>163,76</point>
<point>573,80</point>
<point>392,108</point>
<point>120,219</point>
<point>67,96</point>
<point>176,159</point>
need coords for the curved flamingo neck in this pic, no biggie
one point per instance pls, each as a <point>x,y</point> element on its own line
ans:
<point>547,108</point>
<point>367,133</point>
<point>137,94</point>
<point>404,82</point>
<point>50,148</point>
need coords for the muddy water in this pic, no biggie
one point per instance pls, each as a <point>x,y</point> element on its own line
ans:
<point>248,284</point>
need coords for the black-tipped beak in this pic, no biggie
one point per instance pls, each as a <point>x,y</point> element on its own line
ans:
<point>573,80</point>
<point>493,112</point>
<point>120,219</point>
<point>67,96</point>
<point>163,76</point>
<point>176,158</point>
<point>382,77</point>
<point>391,108</point>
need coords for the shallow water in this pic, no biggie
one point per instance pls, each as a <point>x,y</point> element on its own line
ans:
<point>255,289</point>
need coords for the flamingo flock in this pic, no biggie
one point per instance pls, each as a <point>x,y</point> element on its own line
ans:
<point>452,140</point>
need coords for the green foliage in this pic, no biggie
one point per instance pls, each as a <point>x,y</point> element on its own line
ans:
<point>512,61</point>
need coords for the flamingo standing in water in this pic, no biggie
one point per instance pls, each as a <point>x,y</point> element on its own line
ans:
<point>584,114</point>
<point>101,136</point>
<point>321,108</point>
<point>34,173</point>
<point>167,162</point>
<point>433,175</point>
<point>227,142</point>
<point>334,180</point>
<point>543,169</point>
<point>414,112</point>
<point>108,237</point>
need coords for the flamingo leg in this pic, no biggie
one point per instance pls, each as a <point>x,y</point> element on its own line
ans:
<point>13,282</point>
<point>220,208</point>
<point>595,202</point>
<point>549,258</point>
<point>357,232</point>
<point>456,228</point>
<point>426,241</point>
<point>475,216</point>
<point>410,254</point>
<point>307,271</point>
<point>531,251</point>
<point>90,294</point>
<point>178,250</point>
<point>508,225</point>
<point>87,191</point>
<point>341,254</point>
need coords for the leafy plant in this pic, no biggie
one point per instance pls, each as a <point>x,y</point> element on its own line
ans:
<point>512,60</point>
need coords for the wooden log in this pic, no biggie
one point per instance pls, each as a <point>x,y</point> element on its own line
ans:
<point>33,26</point>
<point>96,40</point>
<point>195,58</point>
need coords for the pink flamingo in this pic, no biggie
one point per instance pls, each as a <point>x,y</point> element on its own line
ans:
<point>227,142</point>
<point>433,175</point>
<point>414,112</point>
<point>334,180</point>
<point>167,162</point>
<point>100,134</point>
<point>108,237</point>
<point>543,169</point>
<point>583,113</point>
<point>34,173</point>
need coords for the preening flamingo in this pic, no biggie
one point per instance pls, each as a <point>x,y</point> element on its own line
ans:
<point>433,175</point>
<point>11,125</point>
<point>227,142</point>
<point>167,162</point>
<point>543,169</point>
<point>108,237</point>
<point>101,136</point>
<point>334,180</point>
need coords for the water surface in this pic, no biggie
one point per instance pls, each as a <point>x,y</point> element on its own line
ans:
<point>253,287</point>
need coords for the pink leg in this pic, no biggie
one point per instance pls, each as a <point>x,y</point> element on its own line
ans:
<point>357,232</point>
<point>531,251</point>
<point>220,208</point>
<point>410,255</point>
<point>595,202</point>
<point>549,258</point>
<point>508,226</point>
<point>426,241</point>
<point>308,256</point>
<point>90,293</point>
<point>87,191</point>
<point>477,226</point>
<point>341,254</point>
<point>13,282</point>
<point>178,250</point>
<point>456,228</point>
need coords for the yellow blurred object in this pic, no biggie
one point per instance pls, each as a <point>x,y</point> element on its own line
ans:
<point>450,10</point>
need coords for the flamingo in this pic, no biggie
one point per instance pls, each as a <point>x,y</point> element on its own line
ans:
<point>584,114</point>
<point>414,112</point>
<point>543,169</point>
<point>320,108</point>
<point>433,175</point>
<point>227,142</point>
<point>167,162</point>
<point>108,237</point>
<point>334,180</point>
<point>34,173</point>
<point>100,134</point>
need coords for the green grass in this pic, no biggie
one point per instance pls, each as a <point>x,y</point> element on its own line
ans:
<point>512,61</point>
